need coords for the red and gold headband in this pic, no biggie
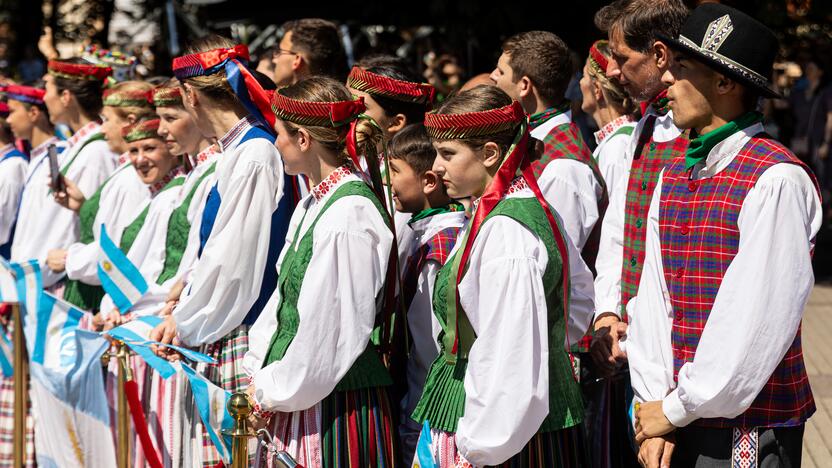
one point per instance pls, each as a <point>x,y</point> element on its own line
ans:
<point>318,114</point>
<point>167,96</point>
<point>379,85</point>
<point>126,98</point>
<point>474,124</point>
<point>27,94</point>
<point>78,71</point>
<point>597,58</point>
<point>4,109</point>
<point>207,63</point>
<point>143,129</point>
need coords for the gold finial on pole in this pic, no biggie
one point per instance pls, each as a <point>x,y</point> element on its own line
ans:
<point>124,374</point>
<point>21,383</point>
<point>239,407</point>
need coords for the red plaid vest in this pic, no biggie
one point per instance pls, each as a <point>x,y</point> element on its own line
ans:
<point>438,249</point>
<point>649,159</point>
<point>699,239</point>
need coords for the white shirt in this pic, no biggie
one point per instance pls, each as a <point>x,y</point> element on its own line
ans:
<point>422,323</point>
<point>507,377</point>
<point>12,179</point>
<point>610,258</point>
<point>611,154</point>
<point>336,304</point>
<point>756,312</point>
<point>570,187</point>
<point>122,199</point>
<point>45,225</point>
<point>226,280</point>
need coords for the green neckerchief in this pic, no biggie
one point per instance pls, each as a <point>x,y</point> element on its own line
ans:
<point>700,146</point>
<point>449,208</point>
<point>536,120</point>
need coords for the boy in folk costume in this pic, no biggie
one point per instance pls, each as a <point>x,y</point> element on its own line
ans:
<point>714,342</point>
<point>312,360</point>
<point>73,97</point>
<point>246,213</point>
<point>435,220</point>
<point>484,404</point>
<point>13,164</point>
<point>112,205</point>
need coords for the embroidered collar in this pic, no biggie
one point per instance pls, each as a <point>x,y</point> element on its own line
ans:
<point>41,149</point>
<point>157,187</point>
<point>206,154</point>
<point>517,184</point>
<point>123,158</point>
<point>331,181</point>
<point>611,127</point>
<point>83,132</point>
<point>240,128</point>
<point>6,149</point>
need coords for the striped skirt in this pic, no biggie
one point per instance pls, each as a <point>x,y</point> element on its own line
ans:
<point>558,449</point>
<point>163,401</point>
<point>228,374</point>
<point>112,390</point>
<point>350,429</point>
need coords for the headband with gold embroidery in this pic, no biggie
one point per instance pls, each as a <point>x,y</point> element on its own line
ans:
<point>143,129</point>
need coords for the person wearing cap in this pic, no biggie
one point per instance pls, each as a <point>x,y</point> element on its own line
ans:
<point>13,164</point>
<point>714,342</point>
<point>113,205</point>
<point>73,97</point>
<point>502,389</point>
<point>312,360</point>
<point>246,214</point>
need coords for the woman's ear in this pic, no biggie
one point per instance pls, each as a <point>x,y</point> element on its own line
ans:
<point>491,155</point>
<point>304,140</point>
<point>66,97</point>
<point>190,95</point>
<point>398,122</point>
<point>598,92</point>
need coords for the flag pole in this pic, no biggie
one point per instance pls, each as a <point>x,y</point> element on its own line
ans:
<point>124,374</point>
<point>21,380</point>
<point>239,407</point>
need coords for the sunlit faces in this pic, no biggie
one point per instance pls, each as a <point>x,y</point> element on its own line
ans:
<point>465,171</point>
<point>589,89</point>
<point>111,125</point>
<point>407,187</point>
<point>191,103</point>
<point>637,72</point>
<point>55,103</point>
<point>178,130</point>
<point>291,143</point>
<point>692,86</point>
<point>151,159</point>
<point>503,77</point>
<point>21,119</point>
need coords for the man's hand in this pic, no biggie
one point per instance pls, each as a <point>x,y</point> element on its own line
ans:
<point>56,260</point>
<point>656,452</point>
<point>605,349</point>
<point>651,421</point>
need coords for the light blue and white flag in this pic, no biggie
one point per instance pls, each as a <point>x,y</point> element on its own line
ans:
<point>71,399</point>
<point>6,355</point>
<point>57,321</point>
<point>8,287</point>
<point>29,285</point>
<point>211,404</point>
<point>120,278</point>
<point>424,454</point>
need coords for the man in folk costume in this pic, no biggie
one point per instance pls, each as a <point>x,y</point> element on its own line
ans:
<point>13,164</point>
<point>714,341</point>
<point>637,62</point>
<point>73,97</point>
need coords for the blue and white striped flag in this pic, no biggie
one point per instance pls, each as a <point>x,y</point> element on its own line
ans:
<point>424,454</point>
<point>120,278</point>
<point>210,402</point>
<point>57,321</point>
<point>29,285</point>
<point>8,288</point>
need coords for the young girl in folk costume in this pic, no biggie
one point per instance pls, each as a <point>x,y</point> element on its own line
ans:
<point>222,298</point>
<point>73,97</point>
<point>13,164</point>
<point>520,407</point>
<point>312,363</point>
<point>112,205</point>
<point>612,109</point>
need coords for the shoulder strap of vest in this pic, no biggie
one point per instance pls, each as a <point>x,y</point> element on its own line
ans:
<point>97,137</point>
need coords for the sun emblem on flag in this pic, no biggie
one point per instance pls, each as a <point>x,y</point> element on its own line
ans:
<point>107,266</point>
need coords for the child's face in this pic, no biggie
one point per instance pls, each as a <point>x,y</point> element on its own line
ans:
<point>407,187</point>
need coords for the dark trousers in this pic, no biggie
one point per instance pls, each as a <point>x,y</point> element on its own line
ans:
<point>699,447</point>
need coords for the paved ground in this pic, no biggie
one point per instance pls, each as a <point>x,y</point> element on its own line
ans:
<point>817,336</point>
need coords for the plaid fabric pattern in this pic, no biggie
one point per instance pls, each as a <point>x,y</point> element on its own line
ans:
<point>699,239</point>
<point>650,158</point>
<point>7,420</point>
<point>437,248</point>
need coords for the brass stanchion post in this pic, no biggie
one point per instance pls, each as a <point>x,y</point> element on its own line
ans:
<point>21,383</point>
<point>124,374</point>
<point>239,407</point>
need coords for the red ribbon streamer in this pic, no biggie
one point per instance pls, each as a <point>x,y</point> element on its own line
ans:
<point>131,389</point>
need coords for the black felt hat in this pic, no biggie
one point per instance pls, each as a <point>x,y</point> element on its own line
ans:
<point>731,42</point>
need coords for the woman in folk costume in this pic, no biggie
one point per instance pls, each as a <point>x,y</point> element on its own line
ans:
<point>73,97</point>
<point>502,389</point>
<point>114,203</point>
<point>222,298</point>
<point>612,109</point>
<point>312,361</point>
<point>13,164</point>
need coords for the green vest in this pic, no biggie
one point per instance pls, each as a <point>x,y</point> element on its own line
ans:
<point>368,370</point>
<point>443,399</point>
<point>179,228</point>
<point>128,236</point>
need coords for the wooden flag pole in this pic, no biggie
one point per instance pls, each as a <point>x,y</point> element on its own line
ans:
<point>124,374</point>
<point>21,381</point>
